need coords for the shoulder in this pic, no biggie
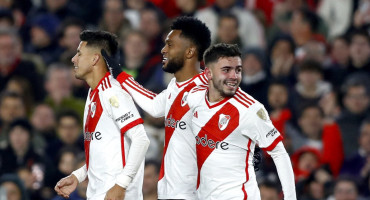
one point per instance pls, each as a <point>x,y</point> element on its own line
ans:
<point>201,79</point>
<point>243,99</point>
<point>111,88</point>
<point>196,94</point>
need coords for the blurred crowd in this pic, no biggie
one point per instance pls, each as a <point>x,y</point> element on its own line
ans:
<point>307,61</point>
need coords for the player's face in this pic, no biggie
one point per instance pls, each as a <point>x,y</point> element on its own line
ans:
<point>225,75</point>
<point>83,61</point>
<point>174,52</point>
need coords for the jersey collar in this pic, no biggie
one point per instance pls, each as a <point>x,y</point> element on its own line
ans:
<point>92,94</point>
<point>182,84</point>
<point>213,105</point>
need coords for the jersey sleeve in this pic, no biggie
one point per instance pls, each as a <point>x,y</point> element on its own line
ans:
<point>150,102</point>
<point>121,109</point>
<point>259,127</point>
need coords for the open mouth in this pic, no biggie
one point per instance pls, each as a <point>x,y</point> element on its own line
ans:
<point>164,60</point>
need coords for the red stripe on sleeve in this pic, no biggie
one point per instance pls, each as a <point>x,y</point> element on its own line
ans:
<point>140,87</point>
<point>133,87</point>
<point>273,144</point>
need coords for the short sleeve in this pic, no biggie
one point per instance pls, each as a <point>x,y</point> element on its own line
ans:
<point>122,109</point>
<point>260,128</point>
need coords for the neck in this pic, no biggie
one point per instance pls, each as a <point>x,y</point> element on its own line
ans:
<point>188,71</point>
<point>213,95</point>
<point>97,74</point>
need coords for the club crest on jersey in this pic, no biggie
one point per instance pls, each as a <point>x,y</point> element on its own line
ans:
<point>183,100</point>
<point>92,109</point>
<point>223,121</point>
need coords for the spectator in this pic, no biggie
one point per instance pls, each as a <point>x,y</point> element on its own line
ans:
<point>11,107</point>
<point>113,19</point>
<point>44,123</point>
<point>68,133</point>
<point>336,72</point>
<point>14,187</point>
<point>280,114</point>
<point>326,138</point>
<point>255,77</point>
<point>359,50</point>
<point>358,165</point>
<point>251,32</point>
<point>151,25</point>
<point>151,173</point>
<point>227,30</point>
<point>58,84</point>
<point>281,52</point>
<point>69,37</point>
<point>346,188</point>
<point>310,86</point>
<point>269,190</point>
<point>317,185</point>
<point>303,26</point>
<point>11,63</point>
<point>20,152</point>
<point>356,102</point>
<point>136,61</point>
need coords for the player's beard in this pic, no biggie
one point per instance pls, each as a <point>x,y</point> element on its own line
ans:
<point>220,85</point>
<point>173,66</point>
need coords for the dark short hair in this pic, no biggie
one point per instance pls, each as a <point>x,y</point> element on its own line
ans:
<point>9,94</point>
<point>68,113</point>
<point>155,163</point>
<point>221,50</point>
<point>311,18</point>
<point>307,106</point>
<point>311,66</point>
<point>68,22</point>
<point>360,32</point>
<point>228,15</point>
<point>194,30</point>
<point>23,123</point>
<point>100,39</point>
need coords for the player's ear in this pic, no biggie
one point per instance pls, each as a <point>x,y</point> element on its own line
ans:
<point>96,58</point>
<point>191,51</point>
<point>208,73</point>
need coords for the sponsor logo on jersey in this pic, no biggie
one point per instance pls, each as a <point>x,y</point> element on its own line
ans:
<point>183,100</point>
<point>173,123</point>
<point>205,142</point>
<point>114,101</point>
<point>271,133</point>
<point>93,109</point>
<point>90,136</point>
<point>223,121</point>
<point>125,117</point>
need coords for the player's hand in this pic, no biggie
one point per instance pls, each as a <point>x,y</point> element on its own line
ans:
<point>66,186</point>
<point>115,193</point>
<point>112,62</point>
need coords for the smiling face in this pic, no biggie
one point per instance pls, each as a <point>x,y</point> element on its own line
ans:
<point>224,77</point>
<point>174,52</point>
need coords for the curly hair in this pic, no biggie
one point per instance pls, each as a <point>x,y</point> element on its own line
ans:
<point>194,30</point>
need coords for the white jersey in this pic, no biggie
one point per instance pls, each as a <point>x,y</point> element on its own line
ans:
<point>178,174</point>
<point>109,113</point>
<point>226,134</point>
